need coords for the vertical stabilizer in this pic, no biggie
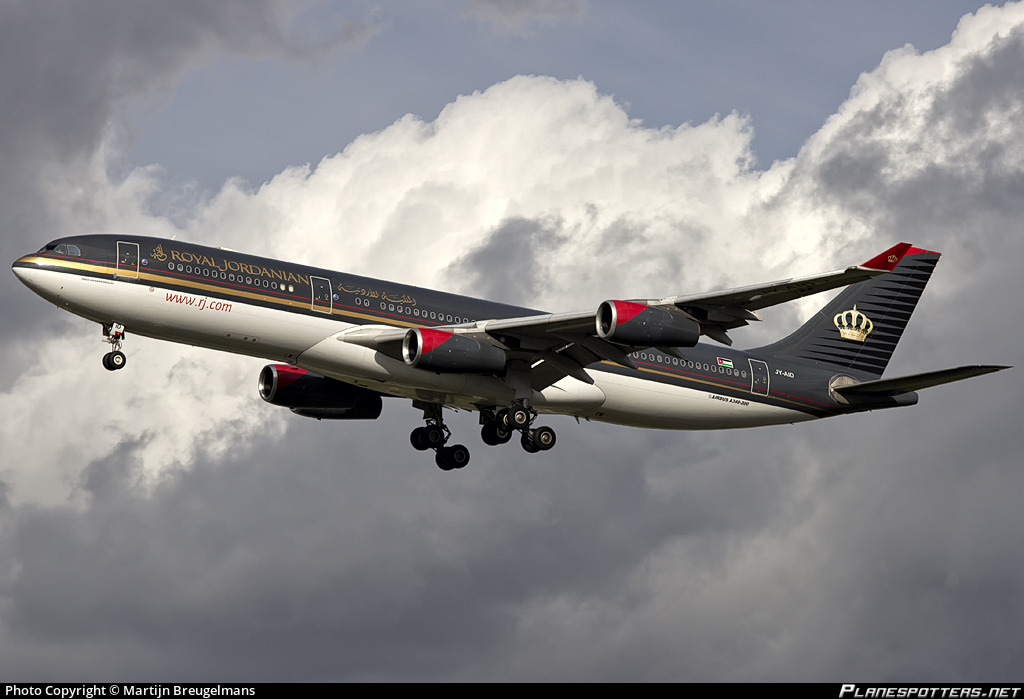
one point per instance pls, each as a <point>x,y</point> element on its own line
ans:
<point>858,330</point>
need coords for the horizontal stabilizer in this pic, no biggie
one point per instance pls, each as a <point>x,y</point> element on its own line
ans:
<point>906,384</point>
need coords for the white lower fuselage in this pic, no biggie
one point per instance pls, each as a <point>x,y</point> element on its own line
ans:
<point>318,345</point>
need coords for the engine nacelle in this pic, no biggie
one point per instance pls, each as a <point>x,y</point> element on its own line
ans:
<point>320,397</point>
<point>442,351</point>
<point>629,323</point>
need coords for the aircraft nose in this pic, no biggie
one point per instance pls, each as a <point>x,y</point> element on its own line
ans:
<point>25,270</point>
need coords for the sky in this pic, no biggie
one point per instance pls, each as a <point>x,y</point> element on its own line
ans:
<point>162,523</point>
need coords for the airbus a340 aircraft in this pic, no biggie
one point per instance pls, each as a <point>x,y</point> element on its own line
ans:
<point>343,342</point>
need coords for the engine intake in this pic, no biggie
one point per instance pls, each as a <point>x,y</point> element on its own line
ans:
<point>320,397</point>
<point>442,351</point>
<point>629,323</point>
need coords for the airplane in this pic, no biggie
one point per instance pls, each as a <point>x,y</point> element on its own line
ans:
<point>341,343</point>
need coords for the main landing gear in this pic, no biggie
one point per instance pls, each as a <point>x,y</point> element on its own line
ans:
<point>435,435</point>
<point>114,334</point>
<point>498,428</point>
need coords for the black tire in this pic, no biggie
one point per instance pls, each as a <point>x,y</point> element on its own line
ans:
<point>504,435</point>
<point>493,434</point>
<point>433,436</point>
<point>501,418</point>
<point>458,454</point>
<point>543,438</point>
<point>117,360</point>
<point>452,457</point>
<point>518,418</point>
<point>527,442</point>
<point>489,435</point>
<point>417,438</point>
<point>441,459</point>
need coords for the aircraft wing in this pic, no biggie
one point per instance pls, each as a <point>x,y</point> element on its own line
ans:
<point>723,310</point>
<point>562,344</point>
<point>720,311</point>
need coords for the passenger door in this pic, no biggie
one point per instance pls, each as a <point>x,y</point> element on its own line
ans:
<point>322,297</point>
<point>758,377</point>
<point>127,260</point>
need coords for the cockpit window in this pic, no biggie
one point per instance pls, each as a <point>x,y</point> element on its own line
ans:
<point>62,249</point>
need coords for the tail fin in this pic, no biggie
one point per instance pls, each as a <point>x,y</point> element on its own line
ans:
<point>858,330</point>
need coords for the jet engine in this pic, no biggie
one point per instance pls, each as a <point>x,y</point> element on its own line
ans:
<point>629,323</point>
<point>320,397</point>
<point>442,351</point>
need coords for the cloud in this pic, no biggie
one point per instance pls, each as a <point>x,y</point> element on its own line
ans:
<point>405,202</point>
<point>516,16</point>
<point>162,521</point>
<point>69,73</point>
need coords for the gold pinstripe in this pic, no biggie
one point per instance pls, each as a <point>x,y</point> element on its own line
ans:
<point>155,277</point>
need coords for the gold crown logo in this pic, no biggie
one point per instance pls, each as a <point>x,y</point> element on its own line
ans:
<point>853,325</point>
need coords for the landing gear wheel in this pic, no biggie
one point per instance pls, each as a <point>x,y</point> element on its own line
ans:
<point>495,434</point>
<point>417,438</point>
<point>427,437</point>
<point>518,418</point>
<point>452,457</point>
<point>113,333</point>
<point>543,438</point>
<point>528,443</point>
<point>112,361</point>
<point>433,436</point>
<point>501,418</point>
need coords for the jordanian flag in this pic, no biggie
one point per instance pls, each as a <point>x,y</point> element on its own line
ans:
<point>727,363</point>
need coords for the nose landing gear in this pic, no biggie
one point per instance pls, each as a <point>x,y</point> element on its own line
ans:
<point>115,359</point>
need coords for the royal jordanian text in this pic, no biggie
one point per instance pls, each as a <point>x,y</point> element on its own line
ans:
<point>232,266</point>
